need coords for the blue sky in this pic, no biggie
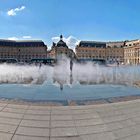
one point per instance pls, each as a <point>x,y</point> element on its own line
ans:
<point>83,19</point>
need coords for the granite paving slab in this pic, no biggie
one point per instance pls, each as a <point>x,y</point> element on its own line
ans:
<point>115,121</point>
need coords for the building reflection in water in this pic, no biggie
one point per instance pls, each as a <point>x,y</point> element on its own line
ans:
<point>71,79</point>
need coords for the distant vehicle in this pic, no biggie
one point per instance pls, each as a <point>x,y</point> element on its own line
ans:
<point>47,61</point>
<point>8,60</point>
<point>21,63</point>
<point>93,61</point>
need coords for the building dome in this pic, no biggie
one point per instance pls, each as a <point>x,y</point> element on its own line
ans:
<point>61,43</point>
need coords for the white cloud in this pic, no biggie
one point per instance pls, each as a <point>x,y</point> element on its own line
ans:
<point>55,39</point>
<point>13,12</point>
<point>13,38</point>
<point>18,38</point>
<point>26,37</point>
<point>70,41</point>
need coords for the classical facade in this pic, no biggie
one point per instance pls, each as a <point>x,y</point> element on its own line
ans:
<point>110,51</point>
<point>91,49</point>
<point>60,50</point>
<point>127,52</point>
<point>132,52</point>
<point>115,51</point>
<point>22,51</point>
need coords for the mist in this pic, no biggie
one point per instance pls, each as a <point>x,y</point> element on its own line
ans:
<point>61,74</point>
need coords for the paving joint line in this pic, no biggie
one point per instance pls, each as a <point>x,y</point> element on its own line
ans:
<point>23,113</point>
<point>68,126</point>
<point>4,107</point>
<point>50,123</point>
<point>70,120</point>
<point>75,135</point>
<point>126,136</point>
<point>78,135</point>
<point>32,136</point>
<point>20,122</point>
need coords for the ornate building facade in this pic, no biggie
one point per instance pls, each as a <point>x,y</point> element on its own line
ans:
<point>132,52</point>
<point>115,51</point>
<point>60,50</point>
<point>110,51</point>
<point>22,51</point>
<point>127,52</point>
<point>91,50</point>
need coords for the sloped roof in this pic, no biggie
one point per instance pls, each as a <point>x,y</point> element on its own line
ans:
<point>19,43</point>
<point>92,44</point>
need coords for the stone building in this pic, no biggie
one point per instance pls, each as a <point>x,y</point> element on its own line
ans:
<point>26,50</point>
<point>132,52</point>
<point>115,51</point>
<point>22,51</point>
<point>110,51</point>
<point>60,50</point>
<point>91,50</point>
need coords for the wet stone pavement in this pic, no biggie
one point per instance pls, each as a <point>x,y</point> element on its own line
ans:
<point>115,121</point>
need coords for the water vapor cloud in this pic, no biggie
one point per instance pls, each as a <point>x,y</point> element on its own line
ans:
<point>82,73</point>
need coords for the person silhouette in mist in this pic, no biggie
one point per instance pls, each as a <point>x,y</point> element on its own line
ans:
<point>71,65</point>
<point>61,86</point>
<point>40,65</point>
